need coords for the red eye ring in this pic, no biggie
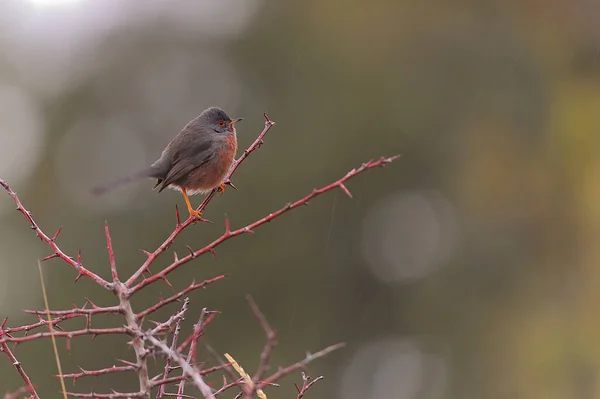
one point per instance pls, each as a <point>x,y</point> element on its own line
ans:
<point>221,123</point>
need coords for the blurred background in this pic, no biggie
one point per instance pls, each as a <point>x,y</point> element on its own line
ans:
<point>467,269</point>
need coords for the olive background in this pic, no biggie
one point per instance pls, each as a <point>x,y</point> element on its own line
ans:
<point>466,269</point>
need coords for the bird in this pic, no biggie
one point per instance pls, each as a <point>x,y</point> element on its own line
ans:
<point>196,161</point>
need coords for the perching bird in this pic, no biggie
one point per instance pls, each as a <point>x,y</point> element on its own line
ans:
<point>195,161</point>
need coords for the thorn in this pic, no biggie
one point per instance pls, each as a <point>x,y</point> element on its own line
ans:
<point>175,257</point>
<point>167,281</point>
<point>227,229</point>
<point>79,275</point>
<point>148,254</point>
<point>192,254</point>
<point>248,230</point>
<point>3,323</point>
<point>345,190</point>
<point>127,363</point>
<point>92,304</point>
<point>385,161</point>
<point>56,234</point>
<point>229,183</point>
<point>49,257</point>
<point>177,215</point>
<point>79,257</point>
<point>213,252</point>
<point>297,388</point>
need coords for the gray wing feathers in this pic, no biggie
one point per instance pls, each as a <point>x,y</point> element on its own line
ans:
<point>184,160</point>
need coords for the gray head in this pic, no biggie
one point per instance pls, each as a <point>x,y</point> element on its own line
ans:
<point>217,120</point>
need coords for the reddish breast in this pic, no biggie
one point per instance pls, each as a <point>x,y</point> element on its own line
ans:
<point>221,165</point>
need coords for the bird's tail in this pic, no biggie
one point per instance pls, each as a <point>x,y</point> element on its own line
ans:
<point>103,189</point>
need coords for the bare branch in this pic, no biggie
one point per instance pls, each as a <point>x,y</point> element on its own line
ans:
<point>306,384</point>
<point>149,343</point>
<point>4,348</point>
<point>249,228</point>
<point>56,251</point>
<point>111,255</point>
<point>271,340</point>
<point>299,365</point>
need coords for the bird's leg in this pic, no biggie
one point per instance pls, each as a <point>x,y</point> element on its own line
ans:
<point>221,188</point>
<point>193,213</point>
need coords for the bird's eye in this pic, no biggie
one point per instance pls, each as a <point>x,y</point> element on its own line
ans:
<point>221,123</point>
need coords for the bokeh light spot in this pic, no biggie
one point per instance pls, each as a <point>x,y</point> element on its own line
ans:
<point>407,236</point>
<point>394,368</point>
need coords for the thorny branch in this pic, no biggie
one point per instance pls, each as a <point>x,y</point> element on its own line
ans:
<point>28,384</point>
<point>150,342</point>
<point>182,226</point>
<point>306,384</point>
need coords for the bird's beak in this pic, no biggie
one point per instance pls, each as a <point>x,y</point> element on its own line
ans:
<point>233,122</point>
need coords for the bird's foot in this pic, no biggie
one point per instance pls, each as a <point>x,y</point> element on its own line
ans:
<point>195,214</point>
<point>221,188</point>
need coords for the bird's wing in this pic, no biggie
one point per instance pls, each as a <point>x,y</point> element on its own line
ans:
<point>185,160</point>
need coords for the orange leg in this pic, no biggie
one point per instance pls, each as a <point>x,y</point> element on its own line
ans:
<point>194,213</point>
<point>221,188</point>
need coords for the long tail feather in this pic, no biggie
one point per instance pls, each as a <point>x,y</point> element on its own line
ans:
<point>103,189</point>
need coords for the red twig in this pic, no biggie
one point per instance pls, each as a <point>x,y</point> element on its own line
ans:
<point>146,343</point>
<point>299,365</point>
<point>75,311</point>
<point>175,297</point>
<point>51,241</point>
<point>111,255</point>
<point>161,388</point>
<point>249,228</point>
<point>271,340</point>
<point>306,384</point>
<point>97,373</point>
<point>186,367</point>
<point>113,395</point>
<point>196,334</point>
<point>4,348</point>
<point>182,226</point>
<point>64,334</point>
<point>198,328</point>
